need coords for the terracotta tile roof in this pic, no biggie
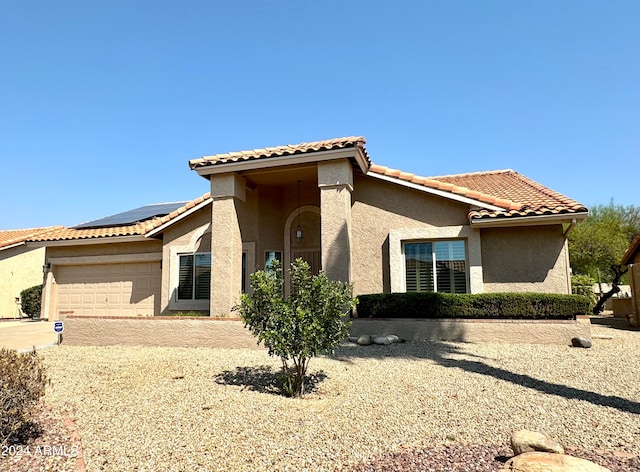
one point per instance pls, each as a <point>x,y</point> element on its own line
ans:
<point>136,229</point>
<point>288,150</point>
<point>12,237</point>
<point>516,194</point>
<point>67,234</point>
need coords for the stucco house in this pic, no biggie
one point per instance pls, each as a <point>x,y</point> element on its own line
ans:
<point>631,258</point>
<point>20,267</point>
<point>381,229</point>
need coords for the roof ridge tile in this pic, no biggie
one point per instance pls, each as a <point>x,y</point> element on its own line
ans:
<point>287,149</point>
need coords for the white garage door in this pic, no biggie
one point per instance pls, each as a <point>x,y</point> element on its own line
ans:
<point>131,289</point>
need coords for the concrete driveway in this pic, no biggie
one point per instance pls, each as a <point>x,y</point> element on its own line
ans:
<point>24,334</point>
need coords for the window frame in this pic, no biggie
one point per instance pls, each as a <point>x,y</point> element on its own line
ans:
<point>435,269</point>
<point>268,260</point>
<point>194,275</point>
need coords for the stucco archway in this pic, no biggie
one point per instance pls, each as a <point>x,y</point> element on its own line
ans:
<point>310,221</point>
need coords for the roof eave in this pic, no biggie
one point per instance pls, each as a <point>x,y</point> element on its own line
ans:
<point>88,241</point>
<point>532,220</point>
<point>154,232</point>
<point>354,153</point>
<point>3,248</point>
<point>631,251</point>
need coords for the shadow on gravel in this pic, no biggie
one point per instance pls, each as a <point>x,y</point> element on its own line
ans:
<point>264,379</point>
<point>443,354</point>
<point>609,321</point>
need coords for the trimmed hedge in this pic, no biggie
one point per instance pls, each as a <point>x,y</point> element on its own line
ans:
<point>30,300</point>
<point>482,305</point>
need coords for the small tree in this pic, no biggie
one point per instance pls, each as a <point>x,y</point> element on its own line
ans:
<point>301,326</point>
<point>30,300</point>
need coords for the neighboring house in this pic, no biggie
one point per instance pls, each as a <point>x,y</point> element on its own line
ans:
<point>381,229</point>
<point>20,267</point>
<point>631,258</point>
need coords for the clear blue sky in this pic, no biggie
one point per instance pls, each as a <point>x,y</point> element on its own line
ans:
<point>102,103</point>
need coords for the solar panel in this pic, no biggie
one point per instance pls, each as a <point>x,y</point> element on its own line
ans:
<point>133,216</point>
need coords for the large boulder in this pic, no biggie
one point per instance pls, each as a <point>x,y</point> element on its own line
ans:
<point>364,340</point>
<point>530,441</point>
<point>550,462</point>
<point>382,340</point>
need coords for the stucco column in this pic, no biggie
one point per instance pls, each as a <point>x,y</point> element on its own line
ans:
<point>227,193</point>
<point>335,180</point>
<point>46,303</point>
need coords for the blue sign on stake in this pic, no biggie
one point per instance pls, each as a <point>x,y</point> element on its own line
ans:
<point>58,326</point>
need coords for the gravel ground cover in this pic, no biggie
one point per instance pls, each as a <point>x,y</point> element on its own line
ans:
<point>414,406</point>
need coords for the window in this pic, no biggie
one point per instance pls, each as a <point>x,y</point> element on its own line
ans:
<point>269,257</point>
<point>438,266</point>
<point>194,276</point>
<point>244,272</point>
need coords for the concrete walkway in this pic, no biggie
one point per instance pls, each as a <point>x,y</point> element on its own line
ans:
<point>23,335</point>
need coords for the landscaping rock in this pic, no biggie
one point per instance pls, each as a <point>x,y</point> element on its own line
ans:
<point>367,339</point>
<point>529,441</point>
<point>550,462</point>
<point>579,341</point>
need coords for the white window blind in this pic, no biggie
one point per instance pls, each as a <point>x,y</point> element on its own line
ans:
<point>438,266</point>
<point>194,277</point>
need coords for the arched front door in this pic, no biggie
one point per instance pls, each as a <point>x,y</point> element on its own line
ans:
<point>307,248</point>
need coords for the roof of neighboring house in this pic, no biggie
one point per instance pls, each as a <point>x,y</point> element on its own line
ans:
<point>279,151</point>
<point>13,237</point>
<point>634,248</point>
<point>138,228</point>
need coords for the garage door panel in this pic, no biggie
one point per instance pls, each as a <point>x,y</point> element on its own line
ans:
<point>131,289</point>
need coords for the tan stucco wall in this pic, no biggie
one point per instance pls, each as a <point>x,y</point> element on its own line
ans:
<point>526,259</point>
<point>230,333</point>
<point>138,247</point>
<point>335,179</point>
<point>381,207</point>
<point>170,332</point>
<point>477,331</point>
<point>191,234</point>
<point>20,268</point>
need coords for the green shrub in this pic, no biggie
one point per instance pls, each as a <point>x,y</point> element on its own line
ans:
<point>22,383</point>
<point>30,299</point>
<point>298,327</point>
<point>482,305</point>
<point>187,313</point>
<point>583,285</point>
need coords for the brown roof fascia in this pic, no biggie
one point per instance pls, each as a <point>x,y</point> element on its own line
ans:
<point>631,252</point>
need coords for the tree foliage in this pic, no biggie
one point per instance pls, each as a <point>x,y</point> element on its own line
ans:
<point>597,245</point>
<point>300,326</point>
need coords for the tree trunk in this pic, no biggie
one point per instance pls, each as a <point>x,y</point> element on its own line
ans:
<point>619,272</point>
